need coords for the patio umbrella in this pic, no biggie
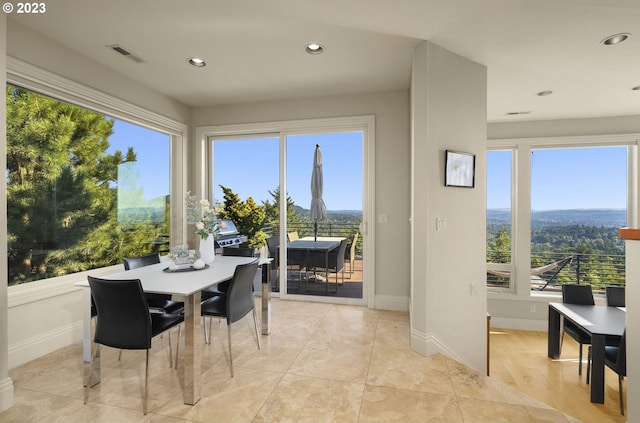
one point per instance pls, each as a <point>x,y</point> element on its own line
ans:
<point>318,209</point>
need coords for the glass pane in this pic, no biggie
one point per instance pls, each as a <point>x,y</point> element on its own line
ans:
<point>83,190</point>
<point>578,201</point>
<point>308,273</point>
<point>499,219</point>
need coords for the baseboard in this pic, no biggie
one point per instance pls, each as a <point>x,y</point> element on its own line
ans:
<point>6,394</point>
<point>391,302</point>
<point>519,324</point>
<point>29,349</point>
<point>429,344</point>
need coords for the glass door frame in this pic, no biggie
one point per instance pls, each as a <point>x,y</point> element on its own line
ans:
<point>365,124</point>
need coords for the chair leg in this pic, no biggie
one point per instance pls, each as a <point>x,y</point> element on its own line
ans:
<point>257,326</point>
<point>120,356</point>
<point>204,328</point>
<point>230,357</point>
<point>588,364</point>
<point>146,386</point>
<point>177,347</point>
<point>620,389</point>
<point>89,378</point>
<point>170,352</point>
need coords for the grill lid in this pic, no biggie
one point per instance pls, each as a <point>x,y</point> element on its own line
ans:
<point>227,228</point>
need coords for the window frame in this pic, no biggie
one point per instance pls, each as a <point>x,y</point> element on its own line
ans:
<point>32,78</point>
<point>521,196</point>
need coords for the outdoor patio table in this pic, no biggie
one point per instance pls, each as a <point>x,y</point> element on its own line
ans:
<point>185,286</point>
<point>309,245</point>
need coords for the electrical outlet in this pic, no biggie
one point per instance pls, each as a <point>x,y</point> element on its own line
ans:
<point>474,289</point>
<point>532,308</point>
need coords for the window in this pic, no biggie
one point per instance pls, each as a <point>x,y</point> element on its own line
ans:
<point>84,190</point>
<point>553,212</point>
<point>499,219</point>
<point>578,203</point>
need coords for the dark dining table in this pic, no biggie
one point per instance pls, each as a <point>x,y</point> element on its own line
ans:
<point>310,246</point>
<point>601,322</point>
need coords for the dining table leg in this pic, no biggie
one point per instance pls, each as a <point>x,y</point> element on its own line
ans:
<point>553,334</point>
<point>87,343</point>
<point>191,362</point>
<point>597,368</point>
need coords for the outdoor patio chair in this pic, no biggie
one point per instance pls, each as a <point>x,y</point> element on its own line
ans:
<point>316,261</point>
<point>350,253</point>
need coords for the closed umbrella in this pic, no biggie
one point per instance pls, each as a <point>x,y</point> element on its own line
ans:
<point>318,209</point>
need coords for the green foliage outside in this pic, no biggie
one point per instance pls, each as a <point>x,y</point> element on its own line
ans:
<point>61,194</point>
<point>247,216</point>
<point>597,251</point>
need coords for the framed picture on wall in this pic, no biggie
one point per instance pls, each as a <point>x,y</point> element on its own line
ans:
<point>460,169</point>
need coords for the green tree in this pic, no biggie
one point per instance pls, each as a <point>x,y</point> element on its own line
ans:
<point>248,217</point>
<point>61,188</point>
<point>272,212</point>
<point>499,247</point>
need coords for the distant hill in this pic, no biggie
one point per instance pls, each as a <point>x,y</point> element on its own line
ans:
<point>614,218</point>
<point>330,213</point>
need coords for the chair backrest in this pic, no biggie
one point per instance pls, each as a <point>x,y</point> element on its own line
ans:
<point>577,294</point>
<point>615,296</point>
<point>240,291</point>
<point>620,364</point>
<point>292,236</point>
<point>238,251</point>
<point>272,245</point>
<point>336,260</point>
<point>141,261</point>
<point>351,252</point>
<point>123,319</point>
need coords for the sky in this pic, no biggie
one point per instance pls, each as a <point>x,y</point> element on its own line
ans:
<point>250,167</point>
<point>569,178</point>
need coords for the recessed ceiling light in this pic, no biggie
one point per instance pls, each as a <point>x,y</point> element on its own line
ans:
<point>197,62</point>
<point>615,39</point>
<point>545,93</point>
<point>636,88</point>
<point>314,48</point>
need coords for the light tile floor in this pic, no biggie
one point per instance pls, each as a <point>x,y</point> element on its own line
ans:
<point>321,363</point>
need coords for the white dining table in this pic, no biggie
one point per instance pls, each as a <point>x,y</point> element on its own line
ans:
<point>184,286</point>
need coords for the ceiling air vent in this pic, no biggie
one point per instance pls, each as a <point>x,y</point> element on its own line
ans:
<point>126,53</point>
<point>518,113</point>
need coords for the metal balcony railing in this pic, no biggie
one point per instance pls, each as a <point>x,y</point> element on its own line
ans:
<point>597,270</point>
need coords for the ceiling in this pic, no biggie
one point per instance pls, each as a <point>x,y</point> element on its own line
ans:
<point>255,49</point>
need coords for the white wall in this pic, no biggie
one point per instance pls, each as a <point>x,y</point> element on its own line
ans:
<point>42,52</point>
<point>391,110</point>
<point>448,112</point>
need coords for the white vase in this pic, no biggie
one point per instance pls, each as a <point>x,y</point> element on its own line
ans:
<point>207,249</point>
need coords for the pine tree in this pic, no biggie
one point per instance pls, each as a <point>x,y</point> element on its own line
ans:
<point>61,195</point>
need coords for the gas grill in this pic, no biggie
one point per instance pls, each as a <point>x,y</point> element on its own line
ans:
<point>228,235</point>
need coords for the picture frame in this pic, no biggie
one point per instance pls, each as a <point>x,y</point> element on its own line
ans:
<point>460,169</point>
